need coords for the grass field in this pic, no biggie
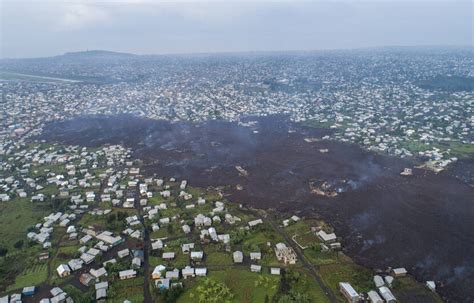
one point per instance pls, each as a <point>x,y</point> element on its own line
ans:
<point>131,289</point>
<point>32,276</point>
<point>311,288</point>
<point>316,257</point>
<point>459,149</point>
<point>78,295</point>
<point>259,239</point>
<point>409,290</point>
<point>359,277</point>
<point>218,258</point>
<point>16,216</point>
<point>242,283</point>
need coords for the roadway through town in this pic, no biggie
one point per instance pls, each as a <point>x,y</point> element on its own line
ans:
<point>311,268</point>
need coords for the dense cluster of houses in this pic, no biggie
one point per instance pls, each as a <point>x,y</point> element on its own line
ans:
<point>380,110</point>
<point>56,293</point>
<point>100,182</point>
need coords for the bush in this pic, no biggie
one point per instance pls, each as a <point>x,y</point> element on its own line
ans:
<point>18,244</point>
<point>171,295</point>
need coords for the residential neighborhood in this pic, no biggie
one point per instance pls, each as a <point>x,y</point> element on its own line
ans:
<point>114,234</point>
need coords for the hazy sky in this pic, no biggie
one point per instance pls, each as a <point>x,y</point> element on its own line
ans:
<point>49,27</point>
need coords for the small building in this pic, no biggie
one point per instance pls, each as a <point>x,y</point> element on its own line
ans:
<point>255,256</point>
<point>201,272</point>
<point>136,262</point>
<point>187,247</point>
<point>87,258</point>
<point>238,256</point>
<point>123,253</point>
<point>63,270</point>
<point>255,268</point>
<point>127,274</point>
<point>97,273</point>
<point>85,239</point>
<point>56,291</point>
<point>157,272</point>
<point>275,271</point>
<point>168,255</point>
<point>158,244</point>
<point>28,291</point>
<point>389,280</point>
<point>101,285</point>
<point>75,264</point>
<point>162,283</point>
<point>15,298</point>
<point>186,229</point>
<point>197,255</point>
<point>431,285</point>
<point>43,256</point>
<point>399,272</point>
<point>101,291</point>
<point>349,292</point>
<point>325,237</point>
<point>255,222</point>
<point>374,297</point>
<point>378,281</point>
<point>101,294</point>
<point>173,274</point>
<point>86,279</point>
<point>387,294</point>
<point>213,233</point>
<point>187,272</point>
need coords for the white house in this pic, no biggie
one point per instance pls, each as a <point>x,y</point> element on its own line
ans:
<point>127,274</point>
<point>374,297</point>
<point>349,292</point>
<point>238,256</point>
<point>255,268</point>
<point>63,270</point>
<point>201,272</point>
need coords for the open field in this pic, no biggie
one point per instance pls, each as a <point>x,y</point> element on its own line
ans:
<point>406,289</point>
<point>242,283</point>
<point>16,216</point>
<point>359,277</point>
<point>131,289</point>
<point>32,276</point>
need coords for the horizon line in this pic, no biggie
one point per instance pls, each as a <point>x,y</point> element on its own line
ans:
<point>204,53</point>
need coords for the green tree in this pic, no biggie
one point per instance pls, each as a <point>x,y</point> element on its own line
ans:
<point>212,291</point>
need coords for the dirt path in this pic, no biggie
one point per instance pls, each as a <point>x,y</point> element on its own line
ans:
<point>313,270</point>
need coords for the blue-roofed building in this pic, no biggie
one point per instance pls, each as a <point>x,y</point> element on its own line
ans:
<point>28,291</point>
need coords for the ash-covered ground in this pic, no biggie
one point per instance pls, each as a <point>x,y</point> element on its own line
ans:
<point>423,222</point>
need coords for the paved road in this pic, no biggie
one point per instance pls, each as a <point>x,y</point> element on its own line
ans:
<point>146,256</point>
<point>311,268</point>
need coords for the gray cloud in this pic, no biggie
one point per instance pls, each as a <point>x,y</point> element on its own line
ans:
<point>51,27</point>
